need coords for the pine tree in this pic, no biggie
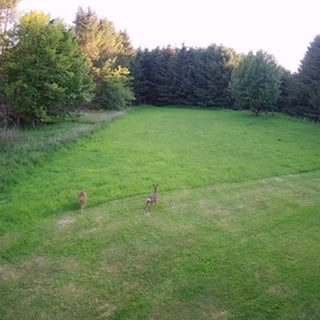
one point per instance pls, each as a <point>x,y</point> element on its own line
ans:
<point>309,75</point>
<point>183,76</point>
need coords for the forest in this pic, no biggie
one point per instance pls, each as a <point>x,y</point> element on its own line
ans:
<point>50,71</point>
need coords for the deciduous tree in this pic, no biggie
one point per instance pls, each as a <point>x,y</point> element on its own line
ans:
<point>255,83</point>
<point>47,73</point>
<point>106,49</point>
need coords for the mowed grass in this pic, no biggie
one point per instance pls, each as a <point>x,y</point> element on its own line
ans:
<point>235,234</point>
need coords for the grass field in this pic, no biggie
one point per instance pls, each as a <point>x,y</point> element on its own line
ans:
<point>235,234</point>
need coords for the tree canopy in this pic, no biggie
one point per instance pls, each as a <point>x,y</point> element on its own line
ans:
<point>106,49</point>
<point>309,76</point>
<point>184,76</point>
<point>48,68</point>
<point>46,71</point>
<point>255,83</point>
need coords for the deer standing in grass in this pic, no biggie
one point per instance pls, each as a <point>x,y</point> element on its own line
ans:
<point>83,200</point>
<point>152,200</point>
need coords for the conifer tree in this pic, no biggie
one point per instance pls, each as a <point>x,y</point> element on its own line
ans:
<point>309,75</point>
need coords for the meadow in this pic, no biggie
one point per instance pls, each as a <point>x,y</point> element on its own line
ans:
<point>235,234</point>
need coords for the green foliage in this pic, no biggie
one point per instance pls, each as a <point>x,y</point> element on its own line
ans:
<point>300,91</point>
<point>309,76</point>
<point>184,76</point>
<point>114,91</point>
<point>106,50</point>
<point>98,38</point>
<point>47,72</point>
<point>255,83</point>
<point>7,15</point>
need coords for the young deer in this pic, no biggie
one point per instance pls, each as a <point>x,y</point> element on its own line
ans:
<point>83,199</point>
<point>152,200</point>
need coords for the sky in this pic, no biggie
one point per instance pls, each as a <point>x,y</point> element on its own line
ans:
<point>283,28</point>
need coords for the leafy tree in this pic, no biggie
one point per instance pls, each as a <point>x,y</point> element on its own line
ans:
<point>114,91</point>
<point>106,49</point>
<point>7,14</point>
<point>309,76</point>
<point>255,83</point>
<point>7,17</point>
<point>47,72</point>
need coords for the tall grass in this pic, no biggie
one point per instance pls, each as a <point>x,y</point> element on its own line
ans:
<point>27,147</point>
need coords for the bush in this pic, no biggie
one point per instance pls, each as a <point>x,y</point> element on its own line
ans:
<point>114,95</point>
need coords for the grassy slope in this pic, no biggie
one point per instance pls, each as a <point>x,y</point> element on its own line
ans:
<point>28,147</point>
<point>176,148</point>
<point>242,250</point>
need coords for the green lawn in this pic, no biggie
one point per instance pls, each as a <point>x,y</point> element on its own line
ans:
<point>235,234</point>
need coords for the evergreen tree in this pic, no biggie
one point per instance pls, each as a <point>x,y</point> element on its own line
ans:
<point>295,101</point>
<point>283,104</point>
<point>255,83</point>
<point>183,76</point>
<point>309,75</point>
<point>144,73</point>
<point>126,57</point>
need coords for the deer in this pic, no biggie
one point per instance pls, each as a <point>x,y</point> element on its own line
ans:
<point>83,200</point>
<point>152,200</point>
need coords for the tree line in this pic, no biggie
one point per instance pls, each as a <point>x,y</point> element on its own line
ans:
<point>48,70</point>
<point>219,77</point>
<point>184,76</point>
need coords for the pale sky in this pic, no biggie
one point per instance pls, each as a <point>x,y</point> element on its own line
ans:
<point>283,28</point>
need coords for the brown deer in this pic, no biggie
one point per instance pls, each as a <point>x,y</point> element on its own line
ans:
<point>83,199</point>
<point>152,200</point>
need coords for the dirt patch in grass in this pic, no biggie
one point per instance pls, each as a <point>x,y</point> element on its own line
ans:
<point>107,310</point>
<point>8,274</point>
<point>222,315</point>
<point>66,222</point>
<point>282,291</point>
<point>71,291</point>
<point>70,264</point>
